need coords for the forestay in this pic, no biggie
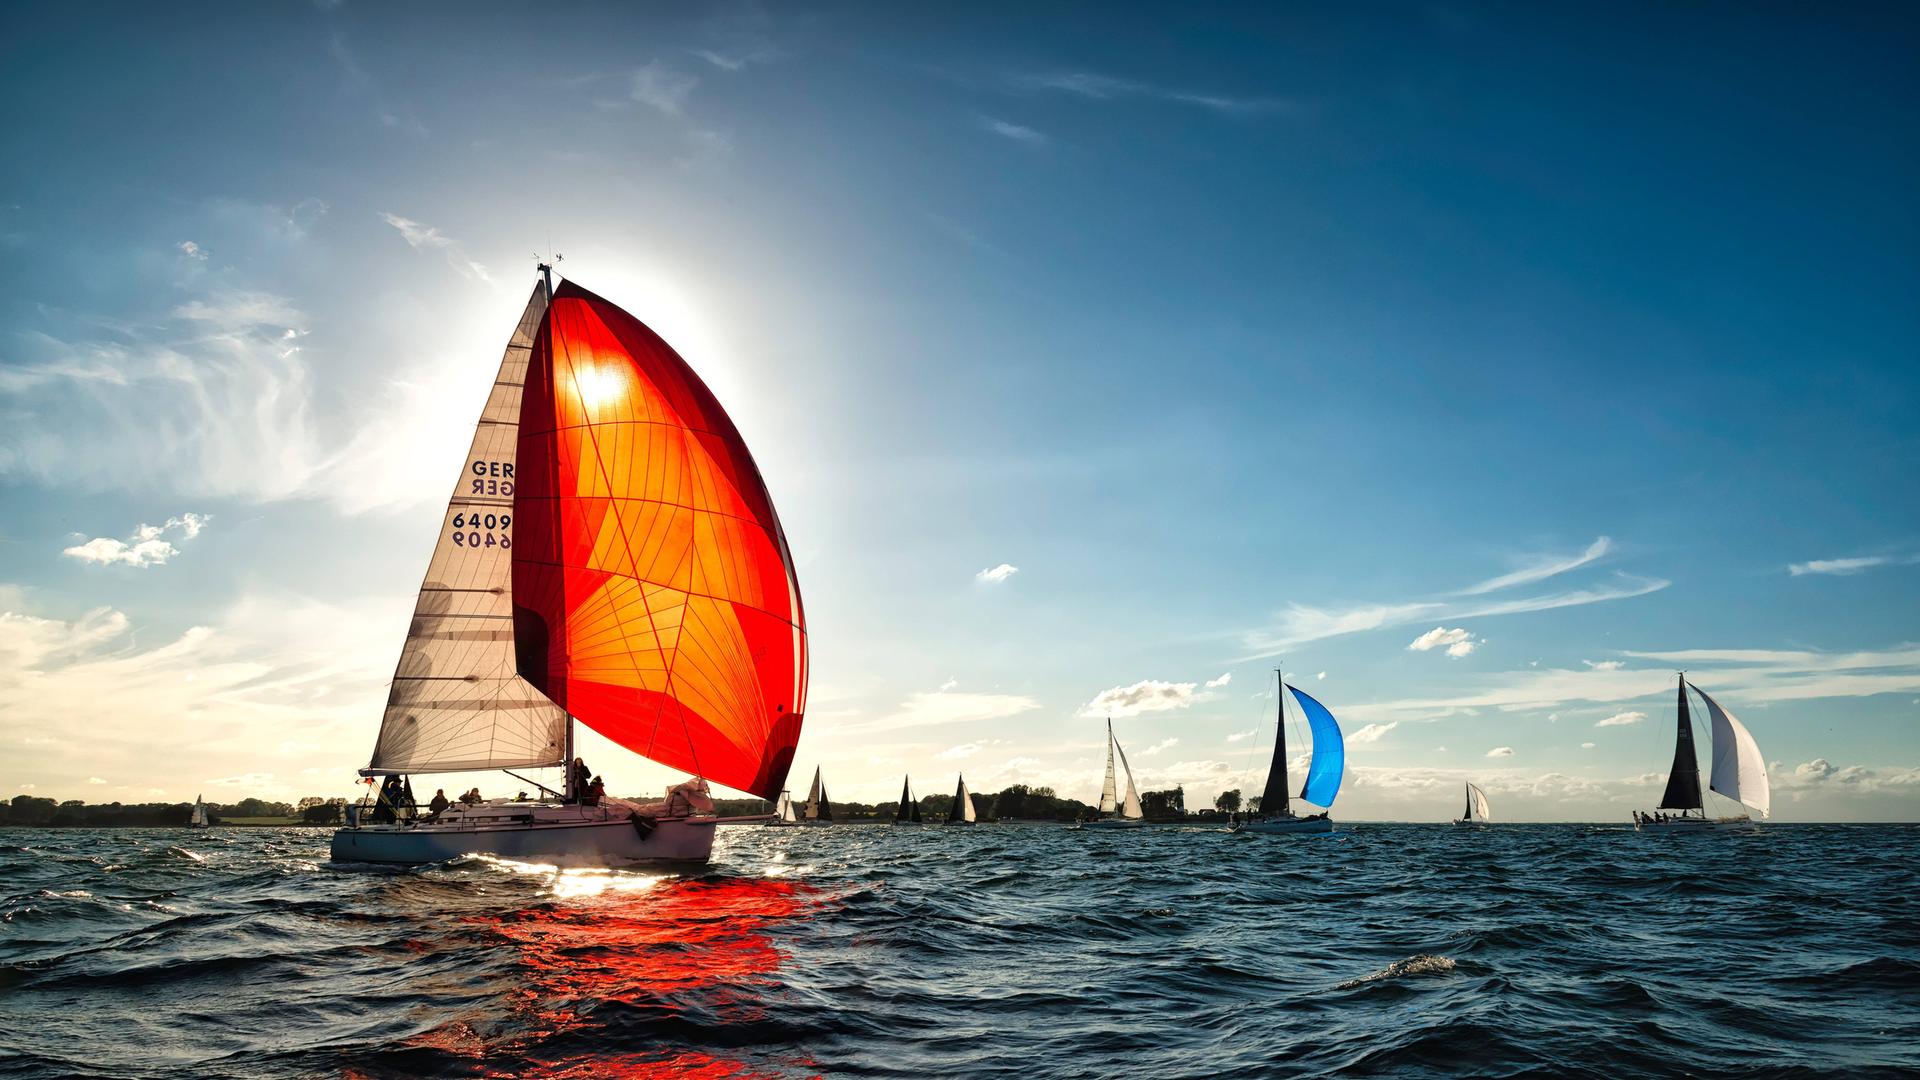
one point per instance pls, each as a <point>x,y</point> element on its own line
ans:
<point>457,700</point>
<point>1739,772</point>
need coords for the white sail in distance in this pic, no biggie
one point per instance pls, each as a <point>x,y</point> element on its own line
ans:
<point>1739,772</point>
<point>458,701</point>
<point>1131,808</point>
<point>1480,802</point>
<point>963,804</point>
<point>785,812</point>
<point>1107,801</point>
<point>816,798</point>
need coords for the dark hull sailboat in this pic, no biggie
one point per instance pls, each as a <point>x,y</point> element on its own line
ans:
<point>1739,773</point>
<point>1324,773</point>
<point>908,812</point>
<point>610,554</point>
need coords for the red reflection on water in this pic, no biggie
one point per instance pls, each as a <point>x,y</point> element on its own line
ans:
<point>675,946</point>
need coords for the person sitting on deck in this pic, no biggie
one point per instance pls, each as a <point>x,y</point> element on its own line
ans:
<point>440,801</point>
<point>595,792</point>
<point>522,797</point>
<point>472,797</point>
<point>386,806</point>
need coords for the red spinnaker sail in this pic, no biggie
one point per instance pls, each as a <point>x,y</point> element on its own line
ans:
<point>654,596</point>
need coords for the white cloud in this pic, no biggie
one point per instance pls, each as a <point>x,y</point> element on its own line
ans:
<point>1844,567</point>
<point>1622,719</point>
<point>1097,87</point>
<point>1163,744</point>
<point>957,753</point>
<point>1014,131</point>
<point>1145,696</point>
<point>941,708</point>
<point>1459,642</point>
<point>1215,684</point>
<point>1239,736</point>
<point>996,574</point>
<point>192,250</point>
<point>146,547</point>
<point>1586,746</point>
<point>95,780</point>
<point>235,311</point>
<point>1500,751</point>
<point>1817,769</point>
<point>1321,675</point>
<point>1541,567</point>
<point>658,86</point>
<point>949,684</point>
<point>1372,732</point>
<point>421,237</point>
<point>1299,624</point>
<point>1605,665</point>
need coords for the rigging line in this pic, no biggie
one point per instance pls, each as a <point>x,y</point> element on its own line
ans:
<point>1259,718</point>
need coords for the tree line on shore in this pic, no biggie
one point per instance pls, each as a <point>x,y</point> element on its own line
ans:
<point>1017,802</point>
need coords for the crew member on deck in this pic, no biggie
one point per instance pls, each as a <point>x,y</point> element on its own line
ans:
<point>595,792</point>
<point>579,779</point>
<point>386,807</point>
<point>440,801</point>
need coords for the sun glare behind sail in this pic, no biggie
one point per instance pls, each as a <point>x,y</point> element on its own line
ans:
<point>653,591</point>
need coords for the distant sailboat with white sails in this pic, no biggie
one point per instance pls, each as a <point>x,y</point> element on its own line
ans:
<point>1117,813</point>
<point>1324,771</point>
<point>1739,773</point>
<point>819,811</point>
<point>1477,812</point>
<point>961,812</point>
<point>199,818</point>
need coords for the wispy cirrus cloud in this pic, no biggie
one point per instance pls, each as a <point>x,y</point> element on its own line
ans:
<point>1095,86</point>
<point>423,237</point>
<point>1622,719</point>
<point>1017,132</point>
<point>1848,567</point>
<point>1300,623</point>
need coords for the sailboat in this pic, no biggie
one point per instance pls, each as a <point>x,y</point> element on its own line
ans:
<point>961,812</point>
<point>1477,812</point>
<point>1739,773</point>
<point>908,812</point>
<point>784,815</point>
<point>1324,772</point>
<point>1118,814</point>
<point>610,555</point>
<point>818,810</point>
<point>199,818</point>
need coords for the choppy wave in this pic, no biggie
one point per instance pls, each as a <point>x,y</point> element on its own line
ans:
<point>995,952</point>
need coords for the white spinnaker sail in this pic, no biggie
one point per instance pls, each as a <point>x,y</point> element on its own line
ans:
<point>458,701</point>
<point>814,796</point>
<point>1131,808</point>
<point>1107,801</point>
<point>1480,802</point>
<point>1739,772</point>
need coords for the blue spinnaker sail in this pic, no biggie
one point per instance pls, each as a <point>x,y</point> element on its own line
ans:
<point>1329,752</point>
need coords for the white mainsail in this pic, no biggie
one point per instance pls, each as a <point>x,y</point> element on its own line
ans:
<point>786,808</point>
<point>1131,808</point>
<point>199,813</point>
<point>458,701</point>
<point>1739,772</point>
<point>1107,800</point>
<point>1480,802</point>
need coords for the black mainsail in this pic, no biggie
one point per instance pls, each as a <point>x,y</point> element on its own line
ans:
<point>1274,800</point>
<point>1683,781</point>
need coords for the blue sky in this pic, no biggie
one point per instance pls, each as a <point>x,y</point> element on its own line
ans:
<point>1244,336</point>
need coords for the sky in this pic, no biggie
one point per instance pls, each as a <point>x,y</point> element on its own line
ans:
<point>1480,365</point>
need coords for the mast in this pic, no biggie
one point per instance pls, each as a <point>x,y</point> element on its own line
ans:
<point>546,269</point>
<point>1276,792</point>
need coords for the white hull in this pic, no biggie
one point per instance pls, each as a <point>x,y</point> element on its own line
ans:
<point>1465,824</point>
<point>1285,825</point>
<point>1115,823</point>
<point>532,832</point>
<point>1694,824</point>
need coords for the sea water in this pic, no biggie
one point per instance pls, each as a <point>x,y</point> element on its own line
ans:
<point>1001,950</point>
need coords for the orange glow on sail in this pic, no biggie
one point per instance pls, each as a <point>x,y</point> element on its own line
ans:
<point>654,595</point>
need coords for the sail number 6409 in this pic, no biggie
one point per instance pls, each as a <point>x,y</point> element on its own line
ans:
<point>467,530</point>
